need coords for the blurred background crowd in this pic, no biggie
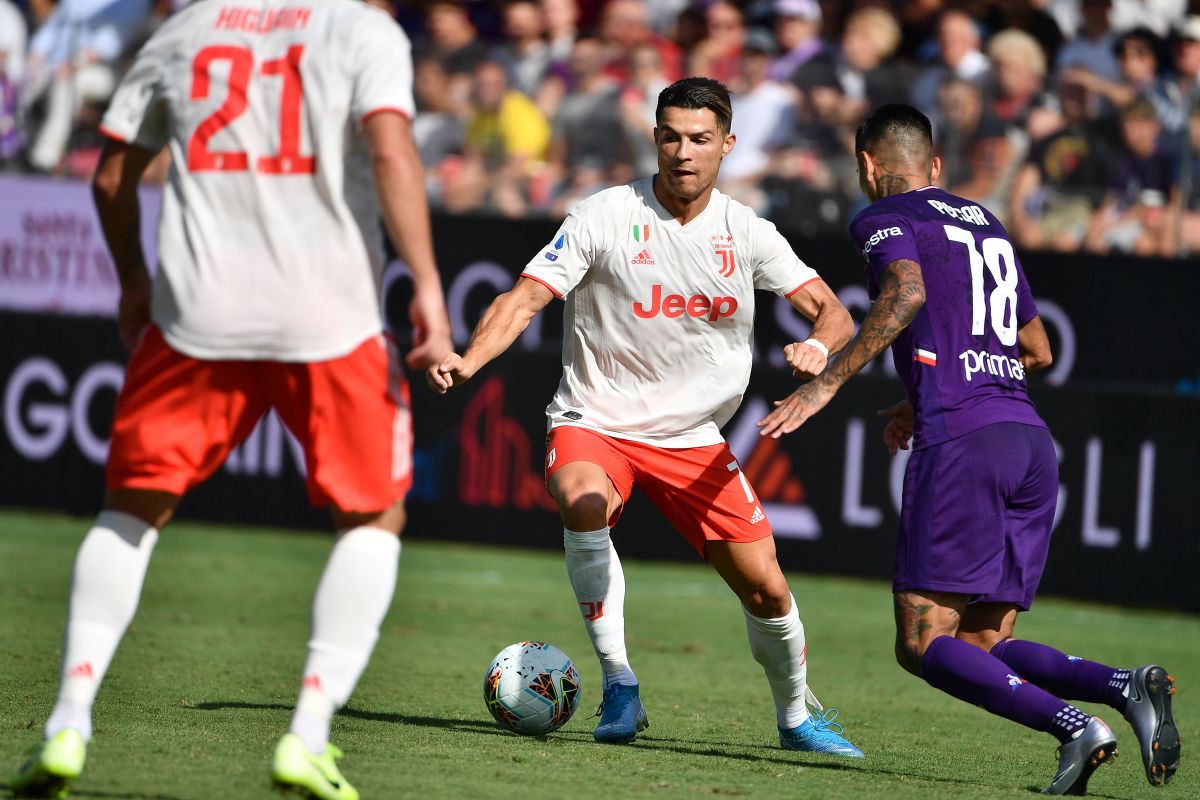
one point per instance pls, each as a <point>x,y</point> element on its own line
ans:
<point>1075,121</point>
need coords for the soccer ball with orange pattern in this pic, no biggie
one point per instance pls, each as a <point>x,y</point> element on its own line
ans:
<point>531,688</point>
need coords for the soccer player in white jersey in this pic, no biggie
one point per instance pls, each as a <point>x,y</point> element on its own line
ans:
<point>288,128</point>
<point>659,279</point>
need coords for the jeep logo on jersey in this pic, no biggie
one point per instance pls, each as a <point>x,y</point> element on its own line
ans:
<point>676,305</point>
<point>878,236</point>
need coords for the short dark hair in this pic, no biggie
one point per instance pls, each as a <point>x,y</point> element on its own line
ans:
<point>697,93</point>
<point>902,126</point>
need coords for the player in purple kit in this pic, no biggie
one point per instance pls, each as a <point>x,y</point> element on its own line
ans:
<point>980,489</point>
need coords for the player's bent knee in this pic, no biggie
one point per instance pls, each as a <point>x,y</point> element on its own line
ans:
<point>391,519</point>
<point>769,600</point>
<point>582,504</point>
<point>908,656</point>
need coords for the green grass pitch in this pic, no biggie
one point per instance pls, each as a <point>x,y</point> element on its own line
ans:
<point>204,682</point>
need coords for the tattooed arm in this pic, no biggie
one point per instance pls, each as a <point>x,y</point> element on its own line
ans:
<point>901,296</point>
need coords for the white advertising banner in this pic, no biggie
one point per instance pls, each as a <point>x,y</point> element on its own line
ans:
<point>52,253</point>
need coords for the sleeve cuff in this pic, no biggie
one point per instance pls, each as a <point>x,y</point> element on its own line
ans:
<point>553,291</point>
<point>801,286</point>
<point>110,133</point>
<point>387,110</point>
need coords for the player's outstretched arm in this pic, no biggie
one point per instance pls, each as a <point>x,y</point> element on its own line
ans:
<point>114,189</point>
<point>1034,346</point>
<point>901,297</point>
<point>832,328</point>
<point>501,324</point>
<point>400,184</point>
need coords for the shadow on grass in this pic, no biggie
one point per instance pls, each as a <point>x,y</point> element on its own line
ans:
<point>77,792</point>
<point>469,725</point>
<point>687,747</point>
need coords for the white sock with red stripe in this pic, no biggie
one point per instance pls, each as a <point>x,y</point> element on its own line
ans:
<point>778,644</point>
<point>352,598</point>
<point>599,584</point>
<point>105,586</point>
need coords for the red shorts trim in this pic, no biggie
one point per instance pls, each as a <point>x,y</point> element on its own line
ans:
<point>177,418</point>
<point>700,490</point>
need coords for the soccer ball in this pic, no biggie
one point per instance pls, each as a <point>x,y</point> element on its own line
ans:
<point>531,688</point>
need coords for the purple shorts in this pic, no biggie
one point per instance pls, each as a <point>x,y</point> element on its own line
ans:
<point>977,514</point>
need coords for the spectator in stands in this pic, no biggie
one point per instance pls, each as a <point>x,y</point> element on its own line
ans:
<point>639,100</point>
<point>625,25</point>
<point>438,128</point>
<point>868,78</point>
<point>719,55</point>
<point>505,148</point>
<point>959,57</point>
<point>1160,16</point>
<point>764,113</point>
<point>1092,46</point>
<point>72,61</point>
<point>978,156</point>
<point>1133,216</point>
<point>1064,179</point>
<point>1030,16</point>
<point>12,69</point>
<point>1183,88</point>
<point>561,18</point>
<point>454,41</point>
<point>1183,208</point>
<point>588,148</point>
<point>798,31</point>
<point>525,54</point>
<point>1136,52</point>
<point>1018,75</point>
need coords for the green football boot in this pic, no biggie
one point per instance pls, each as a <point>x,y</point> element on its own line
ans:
<point>296,769</point>
<point>51,766</point>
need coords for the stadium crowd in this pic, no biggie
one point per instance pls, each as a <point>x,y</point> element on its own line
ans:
<point>1075,121</point>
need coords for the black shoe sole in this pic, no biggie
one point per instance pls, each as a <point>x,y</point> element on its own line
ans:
<point>1162,759</point>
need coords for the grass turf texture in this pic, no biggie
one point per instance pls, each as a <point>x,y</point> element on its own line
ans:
<point>203,684</point>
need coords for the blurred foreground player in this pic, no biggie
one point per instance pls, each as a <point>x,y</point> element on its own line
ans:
<point>285,122</point>
<point>981,486</point>
<point>659,279</point>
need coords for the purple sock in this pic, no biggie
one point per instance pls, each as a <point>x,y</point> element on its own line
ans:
<point>968,673</point>
<point>1064,675</point>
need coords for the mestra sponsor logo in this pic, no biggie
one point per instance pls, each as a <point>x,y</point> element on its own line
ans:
<point>879,235</point>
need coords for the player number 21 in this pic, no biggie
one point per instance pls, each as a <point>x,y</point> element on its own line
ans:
<point>1002,263</point>
<point>289,161</point>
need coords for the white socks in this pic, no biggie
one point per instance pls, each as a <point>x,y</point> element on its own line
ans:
<point>105,586</point>
<point>352,598</point>
<point>778,644</point>
<point>599,584</point>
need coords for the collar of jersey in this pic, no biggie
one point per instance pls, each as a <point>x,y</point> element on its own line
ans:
<point>665,217</point>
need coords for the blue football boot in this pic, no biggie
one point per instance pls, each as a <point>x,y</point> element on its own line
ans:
<point>621,714</point>
<point>819,735</point>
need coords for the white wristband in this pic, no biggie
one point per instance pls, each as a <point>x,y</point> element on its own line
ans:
<point>817,344</point>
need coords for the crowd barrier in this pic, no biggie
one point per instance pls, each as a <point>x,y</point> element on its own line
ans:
<point>1126,529</point>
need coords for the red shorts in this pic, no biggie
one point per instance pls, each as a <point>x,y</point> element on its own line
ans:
<point>178,417</point>
<point>700,490</point>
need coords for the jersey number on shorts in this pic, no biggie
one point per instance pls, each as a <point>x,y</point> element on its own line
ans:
<point>241,65</point>
<point>1002,263</point>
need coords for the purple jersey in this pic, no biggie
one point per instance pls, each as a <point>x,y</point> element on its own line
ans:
<point>959,358</point>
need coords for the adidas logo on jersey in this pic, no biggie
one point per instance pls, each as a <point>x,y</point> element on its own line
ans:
<point>759,516</point>
<point>643,257</point>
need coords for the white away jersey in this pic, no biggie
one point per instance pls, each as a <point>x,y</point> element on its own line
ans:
<point>659,316</point>
<point>269,243</point>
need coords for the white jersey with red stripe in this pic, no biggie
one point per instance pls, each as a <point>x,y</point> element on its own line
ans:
<point>269,244</point>
<point>659,316</point>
